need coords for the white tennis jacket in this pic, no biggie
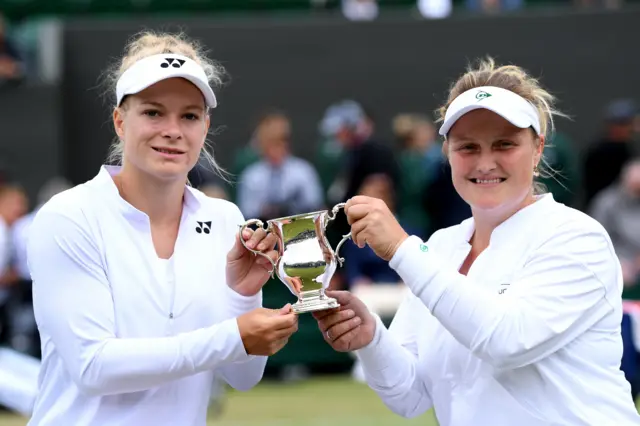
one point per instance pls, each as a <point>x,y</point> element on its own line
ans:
<point>530,337</point>
<point>129,339</point>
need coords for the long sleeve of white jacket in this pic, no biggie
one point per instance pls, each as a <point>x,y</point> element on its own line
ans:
<point>74,305</point>
<point>246,374</point>
<point>390,364</point>
<point>559,294</point>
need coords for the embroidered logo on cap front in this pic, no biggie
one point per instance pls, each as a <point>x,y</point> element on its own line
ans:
<point>424,248</point>
<point>173,62</point>
<point>482,95</point>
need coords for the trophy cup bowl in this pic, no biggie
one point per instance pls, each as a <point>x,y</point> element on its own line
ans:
<point>306,262</point>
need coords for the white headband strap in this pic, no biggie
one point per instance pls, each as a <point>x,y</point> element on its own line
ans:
<point>510,106</point>
<point>152,69</point>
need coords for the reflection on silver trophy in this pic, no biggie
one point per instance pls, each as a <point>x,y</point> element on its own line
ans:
<point>306,262</point>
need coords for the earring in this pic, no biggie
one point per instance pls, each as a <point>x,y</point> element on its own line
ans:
<point>536,172</point>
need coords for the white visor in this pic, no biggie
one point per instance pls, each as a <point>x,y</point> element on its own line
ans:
<point>152,69</point>
<point>513,108</point>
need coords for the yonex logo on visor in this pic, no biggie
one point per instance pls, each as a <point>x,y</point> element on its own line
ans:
<point>153,69</point>
<point>175,63</point>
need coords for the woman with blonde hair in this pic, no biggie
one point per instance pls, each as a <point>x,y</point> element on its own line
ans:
<point>420,160</point>
<point>513,316</point>
<point>143,292</point>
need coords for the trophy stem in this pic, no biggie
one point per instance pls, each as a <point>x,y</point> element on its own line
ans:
<point>314,301</point>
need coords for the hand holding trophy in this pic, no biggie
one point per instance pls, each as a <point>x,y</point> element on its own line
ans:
<point>306,262</point>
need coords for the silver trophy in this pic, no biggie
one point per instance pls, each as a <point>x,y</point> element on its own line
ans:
<point>306,262</point>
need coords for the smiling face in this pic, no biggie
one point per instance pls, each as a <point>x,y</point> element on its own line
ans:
<point>492,161</point>
<point>163,128</point>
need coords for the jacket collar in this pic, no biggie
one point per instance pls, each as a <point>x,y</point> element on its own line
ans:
<point>519,221</point>
<point>104,181</point>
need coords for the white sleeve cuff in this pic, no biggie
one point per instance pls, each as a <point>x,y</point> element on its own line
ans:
<point>418,267</point>
<point>239,352</point>
<point>239,304</point>
<point>369,350</point>
<point>384,361</point>
<point>378,358</point>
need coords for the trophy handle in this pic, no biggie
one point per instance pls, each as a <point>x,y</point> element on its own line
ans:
<point>342,241</point>
<point>330,217</point>
<point>259,223</point>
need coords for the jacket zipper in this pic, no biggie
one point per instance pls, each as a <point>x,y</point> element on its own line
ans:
<point>172,278</point>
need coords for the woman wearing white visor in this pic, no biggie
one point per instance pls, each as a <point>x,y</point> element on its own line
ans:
<point>514,315</point>
<point>142,289</point>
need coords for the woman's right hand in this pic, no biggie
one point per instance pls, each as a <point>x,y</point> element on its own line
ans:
<point>349,327</point>
<point>266,331</point>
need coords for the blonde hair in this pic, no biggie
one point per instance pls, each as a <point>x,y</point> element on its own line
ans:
<point>404,126</point>
<point>518,81</point>
<point>149,43</point>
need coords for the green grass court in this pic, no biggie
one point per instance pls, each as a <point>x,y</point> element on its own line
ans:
<point>333,401</point>
<point>336,401</point>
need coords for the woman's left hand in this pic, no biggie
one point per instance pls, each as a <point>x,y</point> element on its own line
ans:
<point>373,224</point>
<point>246,271</point>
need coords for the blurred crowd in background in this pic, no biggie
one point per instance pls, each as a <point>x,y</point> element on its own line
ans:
<point>19,57</point>
<point>410,173</point>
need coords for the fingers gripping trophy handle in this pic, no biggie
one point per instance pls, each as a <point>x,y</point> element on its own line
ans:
<point>260,224</point>
<point>331,217</point>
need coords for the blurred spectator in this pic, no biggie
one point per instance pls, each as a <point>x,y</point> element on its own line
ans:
<point>362,266</point>
<point>13,205</point>
<point>617,208</point>
<point>331,152</point>
<point>11,63</point>
<point>214,190</point>
<point>442,202</point>
<point>249,153</point>
<point>435,9</point>
<point>360,10</point>
<point>352,128</point>
<point>21,226</point>
<point>563,180</point>
<point>419,159</point>
<point>24,335</point>
<point>204,178</point>
<point>279,184</point>
<point>493,6</point>
<point>607,156</point>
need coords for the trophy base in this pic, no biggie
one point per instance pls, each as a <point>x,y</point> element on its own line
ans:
<point>314,304</point>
